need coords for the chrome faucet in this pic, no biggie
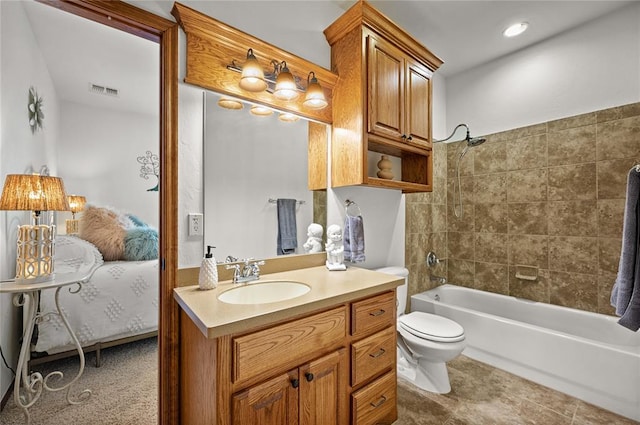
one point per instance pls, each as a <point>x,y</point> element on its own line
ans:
<point>245,270</point>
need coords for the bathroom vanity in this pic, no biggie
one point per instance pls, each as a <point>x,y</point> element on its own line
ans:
<point>325,357</point>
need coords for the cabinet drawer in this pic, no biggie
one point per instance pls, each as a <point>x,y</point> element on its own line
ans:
<point>372,314</point>
<point>373,355</point>
<point>376,403</point>
<point>287,344</point>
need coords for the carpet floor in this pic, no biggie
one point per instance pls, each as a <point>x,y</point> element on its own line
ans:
<point>125,393</point>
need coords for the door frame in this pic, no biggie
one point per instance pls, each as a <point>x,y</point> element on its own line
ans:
<point>125,17</point>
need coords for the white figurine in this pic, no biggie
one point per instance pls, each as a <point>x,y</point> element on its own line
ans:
<point>314,243</point>
<point>335,248</point>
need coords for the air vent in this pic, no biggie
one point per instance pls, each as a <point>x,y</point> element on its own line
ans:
<point>107,91</point>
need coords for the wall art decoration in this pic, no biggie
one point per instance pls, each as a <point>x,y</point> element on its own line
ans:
<point>36,115</point>
<point>150,167</point>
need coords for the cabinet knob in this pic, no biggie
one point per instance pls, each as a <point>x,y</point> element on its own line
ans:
<point>309,376</point>
<point>295,383</point>
<point>410,138</point>
<point>404,136</point>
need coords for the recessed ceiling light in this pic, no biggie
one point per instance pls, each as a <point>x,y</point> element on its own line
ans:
<point>515,29</point>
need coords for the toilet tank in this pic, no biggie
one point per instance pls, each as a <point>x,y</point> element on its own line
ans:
<point>401,291</point>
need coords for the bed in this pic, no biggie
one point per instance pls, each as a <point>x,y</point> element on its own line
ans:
<point>118,304</point>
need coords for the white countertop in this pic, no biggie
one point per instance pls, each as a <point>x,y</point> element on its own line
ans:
<point>216,318</point>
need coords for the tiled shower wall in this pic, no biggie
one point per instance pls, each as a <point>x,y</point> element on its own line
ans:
<point>545,200</point>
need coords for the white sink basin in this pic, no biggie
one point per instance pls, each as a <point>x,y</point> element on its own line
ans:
<point>264,292</point>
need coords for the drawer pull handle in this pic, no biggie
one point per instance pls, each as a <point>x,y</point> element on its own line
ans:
<point>377,353</point>
<point>379,403</point>
<point>377,313</point>
<point>309,376</point>
<point>295,383</point>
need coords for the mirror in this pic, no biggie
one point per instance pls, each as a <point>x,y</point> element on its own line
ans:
<point>249,162</point>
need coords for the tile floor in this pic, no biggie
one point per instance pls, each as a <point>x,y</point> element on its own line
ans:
<point>484,395</point>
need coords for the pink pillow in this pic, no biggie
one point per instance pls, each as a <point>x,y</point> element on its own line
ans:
<point>106,229</point>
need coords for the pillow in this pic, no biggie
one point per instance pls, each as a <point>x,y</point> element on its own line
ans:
<point>75,255</point>
<point>136,221</point>
<point>106,229</point>
<point>141,244</point>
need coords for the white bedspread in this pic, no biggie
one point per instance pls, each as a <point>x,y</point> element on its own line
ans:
<point>121,299</point>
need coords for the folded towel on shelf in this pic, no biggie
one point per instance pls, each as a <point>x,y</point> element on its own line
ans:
<point>354,239</point>
<point>625,295</point>
<point>287,231</point>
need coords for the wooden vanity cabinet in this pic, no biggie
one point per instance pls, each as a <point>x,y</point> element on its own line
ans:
<point>382,101</point>
<point>328,367</point>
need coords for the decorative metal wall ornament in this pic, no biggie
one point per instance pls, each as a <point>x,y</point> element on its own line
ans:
<point>150,166</point>
<point>36,116</point>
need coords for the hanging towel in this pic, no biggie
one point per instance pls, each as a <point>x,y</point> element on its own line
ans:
<point>287,232</point>
<point>625,295</point>
<point>354,239</point>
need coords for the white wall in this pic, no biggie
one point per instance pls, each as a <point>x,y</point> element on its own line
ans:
<point>248,160</point>
<point>22,66</point>
<point>592,67</point>
<point>97,157</point>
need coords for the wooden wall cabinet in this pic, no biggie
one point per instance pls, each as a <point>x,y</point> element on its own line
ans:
<point>329,367</point>
<point>382,101</point>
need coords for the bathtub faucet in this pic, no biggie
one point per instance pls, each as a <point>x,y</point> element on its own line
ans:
<point>438,279</point>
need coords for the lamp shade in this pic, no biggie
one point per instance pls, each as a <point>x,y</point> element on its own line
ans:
<point>252,78</point>
<point>33,192</point>
<point>285,84</point>
<point>76,203</point>
<point>314,98</point>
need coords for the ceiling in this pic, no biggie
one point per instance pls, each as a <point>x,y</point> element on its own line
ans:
<point>465,34</point>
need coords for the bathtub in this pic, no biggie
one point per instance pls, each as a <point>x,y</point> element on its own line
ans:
<point>586,355</point>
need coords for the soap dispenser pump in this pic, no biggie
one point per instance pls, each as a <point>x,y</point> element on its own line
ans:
<point>208,277</point>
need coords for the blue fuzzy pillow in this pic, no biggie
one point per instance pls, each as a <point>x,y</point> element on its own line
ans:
<point>136,221</point>
<point>141,244</point>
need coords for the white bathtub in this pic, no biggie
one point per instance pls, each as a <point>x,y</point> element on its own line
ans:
<point>586,355</point>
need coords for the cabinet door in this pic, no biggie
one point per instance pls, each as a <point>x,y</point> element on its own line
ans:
<point>274,402</point>
<point>322,400</point>
<point>386,103</point>
<point>418,106</point>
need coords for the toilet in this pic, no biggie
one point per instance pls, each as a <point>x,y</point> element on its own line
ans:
<point>425,342</point>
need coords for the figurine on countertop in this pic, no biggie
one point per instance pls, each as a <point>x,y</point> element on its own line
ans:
<point>335,248</point>
<point>314,243</point>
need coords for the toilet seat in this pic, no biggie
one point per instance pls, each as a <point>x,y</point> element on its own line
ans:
<point>431,327</point>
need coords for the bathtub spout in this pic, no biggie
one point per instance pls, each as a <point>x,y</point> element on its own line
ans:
<point>438,279</point>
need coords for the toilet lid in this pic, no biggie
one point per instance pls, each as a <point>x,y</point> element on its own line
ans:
<point>431,327</point>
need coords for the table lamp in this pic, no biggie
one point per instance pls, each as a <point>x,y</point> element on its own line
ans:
<point>76,204</point>
<point>36,242</point>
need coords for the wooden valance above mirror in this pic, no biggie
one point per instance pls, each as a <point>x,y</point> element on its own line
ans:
<point>213,45</point>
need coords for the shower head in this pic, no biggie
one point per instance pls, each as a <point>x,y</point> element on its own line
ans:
<point>474,141</point>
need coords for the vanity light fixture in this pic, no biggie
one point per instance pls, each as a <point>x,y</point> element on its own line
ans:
<point>314,99</point>
<point>515,29</point>
<point>76,204</point>
<point>229,103</point>
<point>261,111</point>
<point>252,78</point>
<point>288,117</point>
<point>35,248</point>
<point>285,84</point>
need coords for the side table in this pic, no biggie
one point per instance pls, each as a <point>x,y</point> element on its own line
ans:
<point>28,386</point>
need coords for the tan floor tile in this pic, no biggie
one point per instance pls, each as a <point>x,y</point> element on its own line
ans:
<point>588,414</point>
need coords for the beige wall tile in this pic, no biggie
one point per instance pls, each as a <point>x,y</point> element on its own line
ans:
<point>574,290</point>
<point>461,224</point>
<point>573,254</point>
<point>528,152</point>
<point>573,218</point>
<point>571,182</point>
<point>491,218</point>
<point>612,176</point>
<point>439,218</point>
<point>610,217</point>
<point>619,112</point>
<point>618,139</point>
<point>439,194</point>
<point>490,188</point>
<point>460,272</point>
<point>609,254</point>
<point>572,146</point>
<point>527,185</point>
<point>418,218</point>
<point>492,247</point>
<point>466,187</point>
<point>572,122</point>
<point>528,218</point>
<point>492,277</point>
<point>461,245</point>
<point>416,247</point>
<point>454,150</point>
<point>529,250</point>
<point>438,244</point>
<point>440,160</point>
<point>605,285</point>
<point>490,157</point>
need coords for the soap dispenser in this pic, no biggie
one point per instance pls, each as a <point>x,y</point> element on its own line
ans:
<point>208,277</point>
